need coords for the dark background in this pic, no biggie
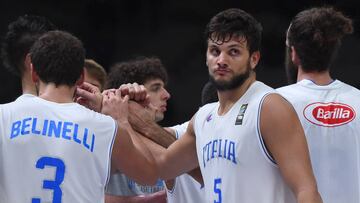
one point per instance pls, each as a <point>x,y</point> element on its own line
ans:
<point>116,30</point>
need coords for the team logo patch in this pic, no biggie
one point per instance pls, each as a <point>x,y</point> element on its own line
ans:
<point>329,114</point>
<point>240,116</point>
<point>209,118</point>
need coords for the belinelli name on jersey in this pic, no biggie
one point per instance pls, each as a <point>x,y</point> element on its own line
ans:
<point>329,114</point>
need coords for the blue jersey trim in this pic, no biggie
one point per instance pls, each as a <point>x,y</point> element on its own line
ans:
<point>110,152</point>
<point>265,150</point>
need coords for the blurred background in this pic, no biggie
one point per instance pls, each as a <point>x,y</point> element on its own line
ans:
<point>118,30</point>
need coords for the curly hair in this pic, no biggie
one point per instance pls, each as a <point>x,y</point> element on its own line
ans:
<point>139,70</point>
<point>316,35</point>
<point>235,23</point>
<point>58,57</point>
<point>21,35</point>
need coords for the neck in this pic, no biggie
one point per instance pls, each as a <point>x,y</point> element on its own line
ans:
<point>229,97</point>
<point>27,85</point>
<point>319,78</point>
<point>59,94</point>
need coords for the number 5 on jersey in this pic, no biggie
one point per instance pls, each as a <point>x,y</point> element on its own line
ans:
<point>217,190</point>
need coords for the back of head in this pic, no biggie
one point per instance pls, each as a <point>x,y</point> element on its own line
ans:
<point>58,57</point>
<point>316,35</point>
<point>96,71</point>
<point>235,23</point>
<point>21,35</point>
<point>139,70</point>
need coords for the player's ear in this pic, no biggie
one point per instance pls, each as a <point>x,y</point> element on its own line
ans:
<point>34,75</point>
<point>27,62</point>
<point>81,79</point>
<point>254,59</point>
<point>294,56</point>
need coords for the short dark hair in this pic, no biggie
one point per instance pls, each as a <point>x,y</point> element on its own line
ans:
<point>58,57</point>
<point>316,35</point>
<point>235,23</point>
<point>21,35</point>
<point>139,70</point>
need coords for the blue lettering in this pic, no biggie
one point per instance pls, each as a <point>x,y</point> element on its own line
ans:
<point>220,147</point>
<point>214,148</point>
<point>33,127</point>
<point>45,127</point>
<point>66,130</point>
<point>54,129</point>
<point>76,126</point>
<point>92,143</point>
<point>231,154</point>
<point>25,124</point>
<point>208,150</point>
<point>15,129</point>
<point>225,148</point>
<point>85,138</point>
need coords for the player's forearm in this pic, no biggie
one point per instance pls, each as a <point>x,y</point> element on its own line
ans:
<point>308,196</point>
<point>157,134</point>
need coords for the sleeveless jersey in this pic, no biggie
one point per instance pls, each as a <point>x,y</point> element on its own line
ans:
<point>235,165</point>
<point>185,189</point>
<point>332,128</point>
<point>52,152</point>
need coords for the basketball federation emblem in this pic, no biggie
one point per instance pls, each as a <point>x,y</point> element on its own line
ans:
<point>240,116</point>
<point>329,114</point>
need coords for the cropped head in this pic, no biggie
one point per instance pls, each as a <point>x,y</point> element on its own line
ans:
<point>21,35</point>
<point>315,35</point>
<point>94,73</point>
<point>58,58</point>
<point>149,72</point>
<point>234,39</point>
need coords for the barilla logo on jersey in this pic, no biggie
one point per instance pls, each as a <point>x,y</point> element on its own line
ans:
<point>329,114</point>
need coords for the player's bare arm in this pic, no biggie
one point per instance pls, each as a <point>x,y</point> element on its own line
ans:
<point>143,120</point>
<point>285,140</point>
<point>142,167</point>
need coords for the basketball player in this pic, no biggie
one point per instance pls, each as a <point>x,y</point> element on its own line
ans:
<point>150,72</point>
<point>54,150</point>
<point>21,35</point>
<point>250,145</point>
<point>326,107</point>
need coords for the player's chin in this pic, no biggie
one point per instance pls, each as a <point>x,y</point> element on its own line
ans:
<point>159,116</point>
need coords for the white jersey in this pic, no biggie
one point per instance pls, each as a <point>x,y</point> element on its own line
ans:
<point>234,162</point>
<point>52,152</point>
<point>332,127</point>
<point>185,189</point>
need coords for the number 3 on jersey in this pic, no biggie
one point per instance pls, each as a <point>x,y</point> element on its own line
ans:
<point>217,190</point>
<point>52,184</point>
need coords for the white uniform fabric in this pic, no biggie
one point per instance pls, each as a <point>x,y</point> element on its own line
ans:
<point>332,127</point>
<point>233,160</point>
<point>52,152</point>
<point>185,189</point>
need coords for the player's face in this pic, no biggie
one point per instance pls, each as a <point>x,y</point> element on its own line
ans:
<point>228,63</point>
<point>158,96</point>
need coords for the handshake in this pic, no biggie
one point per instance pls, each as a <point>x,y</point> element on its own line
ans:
<point>128,99</point>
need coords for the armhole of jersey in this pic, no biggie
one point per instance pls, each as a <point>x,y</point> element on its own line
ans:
<point>171,192</point>
<point>258,132</point>
<point>110,153</point>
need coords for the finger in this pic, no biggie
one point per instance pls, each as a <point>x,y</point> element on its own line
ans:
<point>124,88</point>
<point>143,92</point>
<point>89,87</point>
<point>84,93</point>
